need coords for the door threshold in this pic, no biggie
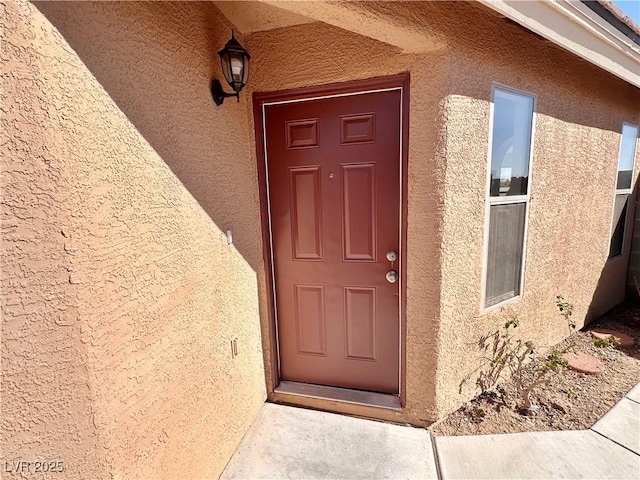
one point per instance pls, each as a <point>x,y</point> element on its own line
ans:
<point>346,395</point>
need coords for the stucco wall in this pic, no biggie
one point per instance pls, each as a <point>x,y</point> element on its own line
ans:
<point>580,110</point>
<point>120,295</point>
<point>578,120</point>
<point>151,291</point>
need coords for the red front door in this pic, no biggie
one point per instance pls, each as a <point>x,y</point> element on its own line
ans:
<point>333,168</point>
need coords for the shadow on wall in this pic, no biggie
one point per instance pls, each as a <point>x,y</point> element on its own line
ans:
<point>612,287</point>
<point>633,274</point>
<point>156,61</point>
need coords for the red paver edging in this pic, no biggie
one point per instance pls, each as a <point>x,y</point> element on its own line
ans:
<point>583,363</point>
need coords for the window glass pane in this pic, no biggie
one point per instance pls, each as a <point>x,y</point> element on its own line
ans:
<point>506,243</point>
<point>511,142</point>
<point>618,227</point>
<point>627,156</point>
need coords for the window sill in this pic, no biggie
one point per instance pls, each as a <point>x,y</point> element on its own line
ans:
<point>500,304</point>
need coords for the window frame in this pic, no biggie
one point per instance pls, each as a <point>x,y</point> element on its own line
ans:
<point>622,191</point>
<point>505,200</point>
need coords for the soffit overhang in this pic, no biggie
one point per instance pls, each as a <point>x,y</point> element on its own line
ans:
<point>568,23</point>
<point>252,16</point>
<point>573,26</point>
<point>354,16</point>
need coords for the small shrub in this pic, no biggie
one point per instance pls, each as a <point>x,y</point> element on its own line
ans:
<point>568,392</point>
<point>609,342</point>
<point>506,354</point>
<point>566,310</point>
<point>503,353</point>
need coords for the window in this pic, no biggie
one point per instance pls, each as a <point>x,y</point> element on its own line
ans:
<point>624,181</point>
<point>508,192</point>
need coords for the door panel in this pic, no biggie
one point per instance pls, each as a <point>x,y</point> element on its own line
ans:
<point>359,212</point>
<point>310,319</point>
<point>306,213</point>
<point>360,319</point>
<point>333,168</point>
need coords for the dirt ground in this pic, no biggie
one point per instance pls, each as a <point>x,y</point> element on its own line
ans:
<point>572,401</point>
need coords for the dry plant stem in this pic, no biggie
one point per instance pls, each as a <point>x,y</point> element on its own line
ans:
<point>523,388</point>
<point>526,393</point>
<point>517,374</point>
<point>514,354</point>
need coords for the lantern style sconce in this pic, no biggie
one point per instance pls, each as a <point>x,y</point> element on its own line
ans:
<point>235,68</point>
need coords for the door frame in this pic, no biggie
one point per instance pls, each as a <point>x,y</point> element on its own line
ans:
<point>353,87</point>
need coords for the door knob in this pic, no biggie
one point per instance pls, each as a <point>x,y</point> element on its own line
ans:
<point>392,255</point>
<point>392,276</point>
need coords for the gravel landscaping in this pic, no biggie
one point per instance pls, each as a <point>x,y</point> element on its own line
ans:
<point>571,401</point>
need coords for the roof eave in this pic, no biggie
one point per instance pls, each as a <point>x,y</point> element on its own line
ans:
<point>578,29</point>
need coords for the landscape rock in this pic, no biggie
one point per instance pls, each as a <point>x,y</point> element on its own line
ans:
<point>583,363</point>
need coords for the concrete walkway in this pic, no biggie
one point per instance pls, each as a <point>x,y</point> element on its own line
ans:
<point>294,443</point>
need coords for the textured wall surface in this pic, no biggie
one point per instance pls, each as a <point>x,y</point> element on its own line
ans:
<point>47,410</point>
<point>579,115</point>
<point>580,111</point>
<point>120,295</point>
<point>120,176</point>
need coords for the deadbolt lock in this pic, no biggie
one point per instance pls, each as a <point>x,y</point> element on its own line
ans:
<point>392,276</point>
<point>392,255</point>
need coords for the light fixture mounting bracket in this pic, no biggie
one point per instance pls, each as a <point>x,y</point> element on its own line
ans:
<point>219,94</point>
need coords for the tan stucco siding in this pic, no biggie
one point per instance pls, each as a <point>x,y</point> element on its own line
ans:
<point>579,113</point>
<point>120,294</point>
<point>46,393</point>
<point>120,177</point>
<point>578,119</point>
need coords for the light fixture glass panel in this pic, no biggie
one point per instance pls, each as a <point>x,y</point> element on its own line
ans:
<point>245,77</point>
<point>236,67</point>
<point>224,61</point>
